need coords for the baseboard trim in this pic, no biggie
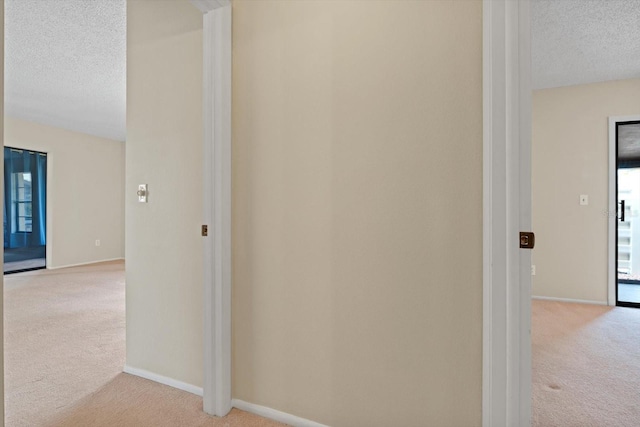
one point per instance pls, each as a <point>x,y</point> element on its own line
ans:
<point>274,414</point>
<point>84,263</point>
<point>190,388</point>
<point>578,301</point>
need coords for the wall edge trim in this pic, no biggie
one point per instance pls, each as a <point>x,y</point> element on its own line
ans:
<point>274,414</point>
<point>571,300</point>
<point>58,267</point>
<point>161,379</point>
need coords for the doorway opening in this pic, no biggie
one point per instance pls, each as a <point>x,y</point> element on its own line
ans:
<point>25,210</point>
<point>627,234</point>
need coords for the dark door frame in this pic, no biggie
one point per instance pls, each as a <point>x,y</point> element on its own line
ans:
<point>619,165</point>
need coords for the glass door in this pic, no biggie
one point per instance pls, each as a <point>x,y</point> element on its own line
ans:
<point>25,201</point>
<point>628,214</point>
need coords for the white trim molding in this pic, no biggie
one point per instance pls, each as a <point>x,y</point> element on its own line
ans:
<point>570,300</point>
<point>205,6</point>
<point>147,375</point>
<point>274,414</point>
<point>506,382</point>
<point>81,264</point>
<point>613,206</point>
<point>217,204</point>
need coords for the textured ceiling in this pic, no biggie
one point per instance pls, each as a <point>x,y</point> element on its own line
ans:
<point>584,41</point>
<point>65,60</point>
<point>65,64</point>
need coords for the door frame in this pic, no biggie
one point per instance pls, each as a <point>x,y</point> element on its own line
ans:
<point>48,209</point>
<point>506,376</point>
<point>613,205</point>
<point>216,23</point>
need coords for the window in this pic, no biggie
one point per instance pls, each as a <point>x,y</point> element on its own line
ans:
<point>21,195</point>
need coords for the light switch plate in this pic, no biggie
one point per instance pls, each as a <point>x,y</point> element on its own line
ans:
<point>584,199</point>
<point>142,193</point>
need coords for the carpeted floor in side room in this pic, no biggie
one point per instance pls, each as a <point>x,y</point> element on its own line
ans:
<point>586,365</point>
<point>65,351</point>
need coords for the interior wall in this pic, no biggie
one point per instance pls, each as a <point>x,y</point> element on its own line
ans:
<point>570,158</point>
<point>357,210</point>
<point>85,191</point>
<point>164,150</point>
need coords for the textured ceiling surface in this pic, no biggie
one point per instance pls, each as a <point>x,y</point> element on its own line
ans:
<point>584,41</point>
<point>65,64</point>
<point>65,60</point>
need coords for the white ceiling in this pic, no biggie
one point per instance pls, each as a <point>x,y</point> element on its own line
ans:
<point>584,41</point>
<point>65,60</point>
<point>65,64</point>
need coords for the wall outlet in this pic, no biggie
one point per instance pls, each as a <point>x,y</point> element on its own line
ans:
<point>533,270</point>
<point>97,242</point>
<point>584,199</point>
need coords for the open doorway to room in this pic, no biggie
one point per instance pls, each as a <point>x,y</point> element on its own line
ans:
<point>584,73</point>
<point>25,210</point>
<point>64,179</point>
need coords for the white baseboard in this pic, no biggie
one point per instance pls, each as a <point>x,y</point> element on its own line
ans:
<point>84,263</point>
<point>579,301</point>
<point>273,414</point>
<point>262,411</point>
<point>163,380</point>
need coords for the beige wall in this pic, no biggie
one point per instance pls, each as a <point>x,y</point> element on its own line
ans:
<point>357,210</point>
<point>164,150</point>
<point>570,155</point>
<point>85,200</point>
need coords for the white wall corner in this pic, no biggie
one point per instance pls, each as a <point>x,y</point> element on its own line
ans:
<point>506,375</point>
<point>205,6</point>
<point>217,209</point>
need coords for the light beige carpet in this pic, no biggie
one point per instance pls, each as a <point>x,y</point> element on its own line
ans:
<point>586,365</point>
<point>64,355</point>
